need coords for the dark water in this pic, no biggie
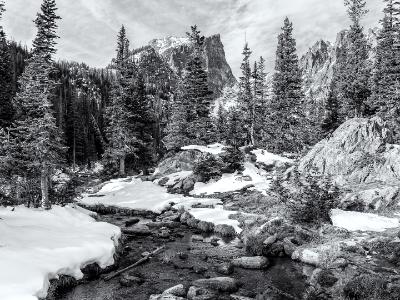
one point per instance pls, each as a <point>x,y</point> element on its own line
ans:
<point>170,268</point>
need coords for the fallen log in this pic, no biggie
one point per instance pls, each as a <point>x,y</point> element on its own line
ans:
<point>111,276</point>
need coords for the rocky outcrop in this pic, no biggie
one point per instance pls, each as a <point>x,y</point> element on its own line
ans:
<point>318,64</point>
<point>359,157</point>
<point>176,52</point>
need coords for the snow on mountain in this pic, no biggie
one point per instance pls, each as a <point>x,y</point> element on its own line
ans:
<point>38,245</point>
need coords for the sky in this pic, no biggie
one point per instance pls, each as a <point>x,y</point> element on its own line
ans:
<point>88,28</point>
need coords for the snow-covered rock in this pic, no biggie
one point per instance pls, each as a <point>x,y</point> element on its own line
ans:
<point>358,221</point>
<point>214,149</point>
<point>251,177</point>
<point>38,245</point>
<point>270,159</point>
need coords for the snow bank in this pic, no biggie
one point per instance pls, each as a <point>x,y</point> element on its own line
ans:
<point>212,149</point>
<point>358,221</point>
<point>145,195</point>
<point>216,215</point>
<point>235,182</point>
<point>268,158</point>
<point>139,195</point>
<point>37,245</point>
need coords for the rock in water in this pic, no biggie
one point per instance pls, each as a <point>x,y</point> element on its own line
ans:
<point>178,290</point>
<point>199,293</point>
<point>221,284</point>
<point>252,262</point>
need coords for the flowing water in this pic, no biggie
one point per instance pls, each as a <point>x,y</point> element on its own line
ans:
<point>187,256</point>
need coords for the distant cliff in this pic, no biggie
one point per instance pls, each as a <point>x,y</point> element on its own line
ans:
<point>176,52</point>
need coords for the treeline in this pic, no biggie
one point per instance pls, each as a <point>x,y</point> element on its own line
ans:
<point>61,115</point>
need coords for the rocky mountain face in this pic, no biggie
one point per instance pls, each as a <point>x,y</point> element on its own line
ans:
<point>319,62</point>
<point>176,52</point>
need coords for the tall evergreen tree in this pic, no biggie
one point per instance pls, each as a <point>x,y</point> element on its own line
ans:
<point>260,101</point>
<point>353,77</point>
<point>35,138</point>
<point>197,93</point>
<point>385,97</point>
<point>191,121</point>
<point>284,112</point>
<point>121,140</point>
<point>46,23</point>
<point>6,79</point>
<point>245,97</point>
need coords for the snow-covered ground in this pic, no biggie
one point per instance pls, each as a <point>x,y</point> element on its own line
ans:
<point>234,182</point>
<point>145,195</point>
<point>37,245</point>
<point>268,158</point>
<point>358,221</point>
<point>212,149</point>
<point>139,195</point>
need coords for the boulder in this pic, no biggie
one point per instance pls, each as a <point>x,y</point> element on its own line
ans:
<point>359,157</point>
<point>178,290</point>
<point>225,230</point>
<point>138,229</point>
<point>270,240</point>
<point>132,222</point>
<point>358,151</point>
<point>251,262</point>
<point>220,284</point>
<point>205,226</point>
<point>200,293</point>
<point>181,161</point>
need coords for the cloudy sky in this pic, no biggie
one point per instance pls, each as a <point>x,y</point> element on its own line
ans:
<point>88,27</point>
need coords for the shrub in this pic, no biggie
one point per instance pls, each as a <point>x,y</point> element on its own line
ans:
<point>364,287</point>
<point>309,198</point>
<point>233,160</point>
<point>209,167</point>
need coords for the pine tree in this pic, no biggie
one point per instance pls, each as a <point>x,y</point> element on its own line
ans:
<point>260,101</point>
<point>331,114</point>
<point>191,122</point>
<point>245,97</point>
<point>284,111</point>
<point>221,123</point>
<point>385,97</point>
<point>235,134</point>
<point>197,94</point>
<point>6,79</point>
<point>46,23</point>
<point>35,138</point>
<point>353,78</point>
<point>121,139</point>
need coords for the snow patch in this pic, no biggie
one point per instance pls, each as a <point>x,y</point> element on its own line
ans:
<point>139,195</point>
<point>235,182</point>
<point>38,245</point>
<point>358,221</point>
<point>263,156</point>
<point>214,149</point>
<point>216,215</point>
